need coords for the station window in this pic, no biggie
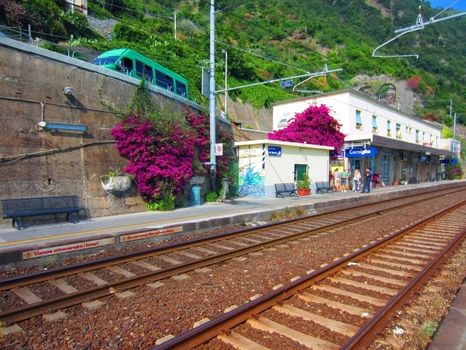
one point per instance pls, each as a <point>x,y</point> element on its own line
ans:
<point>358,120</point>
<point>374,123</point>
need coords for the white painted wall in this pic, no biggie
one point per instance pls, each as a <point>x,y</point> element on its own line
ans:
<point>280,169</point>
<point>343,106</point>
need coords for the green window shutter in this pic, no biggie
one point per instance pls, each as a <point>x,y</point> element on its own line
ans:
<point>358,119</point>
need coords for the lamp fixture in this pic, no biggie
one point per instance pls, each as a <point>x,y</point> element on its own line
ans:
<point>68,91</point>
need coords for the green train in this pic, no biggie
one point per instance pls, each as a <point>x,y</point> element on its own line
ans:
<point>134,64</point>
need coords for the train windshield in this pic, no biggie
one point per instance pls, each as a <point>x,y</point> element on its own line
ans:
<point>105,60</point>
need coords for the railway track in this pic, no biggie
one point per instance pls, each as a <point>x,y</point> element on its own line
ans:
<point>29,296</point>
<point>344,304</point>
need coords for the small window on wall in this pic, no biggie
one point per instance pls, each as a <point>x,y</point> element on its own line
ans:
<point>398,131</point>
<point>374,123</point>
<point>417,137</point>
<point>358,120</point>
<point>389,128</point>
<point>299,171</point>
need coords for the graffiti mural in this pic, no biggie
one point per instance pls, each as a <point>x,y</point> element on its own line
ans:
<point>251,172</point>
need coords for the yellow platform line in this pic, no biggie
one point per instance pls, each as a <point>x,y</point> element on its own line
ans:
<point>109,229</point>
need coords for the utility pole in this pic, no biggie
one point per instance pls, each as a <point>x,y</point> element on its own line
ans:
<point>213,162</point>
<point>174,23</point>
<point>226,82</point>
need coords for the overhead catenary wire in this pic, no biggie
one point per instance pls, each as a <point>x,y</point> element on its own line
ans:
<point>420,24</point>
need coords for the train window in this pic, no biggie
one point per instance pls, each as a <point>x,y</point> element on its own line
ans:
<point>163,80</point>
<point>148,73</point>
<point>126,65</point>
<point>105,60</point>
<point>139,68</point>
<point>180,88</point>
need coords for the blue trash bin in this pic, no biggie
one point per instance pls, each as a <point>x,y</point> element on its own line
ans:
<point>195,195</point>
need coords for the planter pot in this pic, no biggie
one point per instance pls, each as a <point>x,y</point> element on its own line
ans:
<point>116,184</point>
<point>197,180</point>
<point>304,191</point>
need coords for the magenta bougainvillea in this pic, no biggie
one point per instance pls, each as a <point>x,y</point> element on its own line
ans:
<point>315,126</point>
<point>159,159</point>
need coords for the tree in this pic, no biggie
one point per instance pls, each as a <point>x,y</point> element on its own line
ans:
<point>313,126</point>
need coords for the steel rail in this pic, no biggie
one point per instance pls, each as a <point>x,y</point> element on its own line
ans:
<point>366,335</point>
<point>29,311</point>
<point>227,321</point>
<point>24,280</point>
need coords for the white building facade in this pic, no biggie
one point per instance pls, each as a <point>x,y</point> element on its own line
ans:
<point>264,163</point>
<point>399,147</point>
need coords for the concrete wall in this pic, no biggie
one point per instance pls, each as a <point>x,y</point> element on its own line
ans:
<point>40,163</point>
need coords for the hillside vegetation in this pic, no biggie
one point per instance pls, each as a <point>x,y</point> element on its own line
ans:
<point>295,37</point>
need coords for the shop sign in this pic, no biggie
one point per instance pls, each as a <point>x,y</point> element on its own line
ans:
<point>360,152</point>
<point>274,151</point>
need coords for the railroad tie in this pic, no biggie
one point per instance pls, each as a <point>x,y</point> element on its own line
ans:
<point>270,326</point>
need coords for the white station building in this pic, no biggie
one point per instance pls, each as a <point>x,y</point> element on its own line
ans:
<point>400,147</point>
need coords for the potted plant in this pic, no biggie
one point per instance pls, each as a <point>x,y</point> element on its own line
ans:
<point>116,183</point>
<point>304,186</point>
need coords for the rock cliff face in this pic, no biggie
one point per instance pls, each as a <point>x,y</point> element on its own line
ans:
<point>389,90</point>
<point>37,162</point>
<point>249,123</point>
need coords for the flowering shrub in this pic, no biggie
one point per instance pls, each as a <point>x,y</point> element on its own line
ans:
<point>158,159</point>
<point>413,82</point>
<point>453,171</point>
<point>314,126</point>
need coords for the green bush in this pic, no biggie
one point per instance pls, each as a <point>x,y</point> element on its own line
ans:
<point>211,197</point>
<point>453,171</point>
<point>152,206</point>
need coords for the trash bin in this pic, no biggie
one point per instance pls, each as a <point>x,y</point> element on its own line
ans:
<point>195,196</point>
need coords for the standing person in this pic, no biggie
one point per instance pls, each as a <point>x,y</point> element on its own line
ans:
<point>337,177</point>
<point>344,180</point>
<point>356,180</point>
<point>367,181</point>
<point>331,180</point>
<point>350,179</point>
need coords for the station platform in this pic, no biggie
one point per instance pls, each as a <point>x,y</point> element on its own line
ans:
<point>62,237</point>
<point>37,242</point>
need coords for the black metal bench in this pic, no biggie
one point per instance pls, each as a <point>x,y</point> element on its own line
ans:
<point>285,188</point>
<point>19,208</point>
<point>322,186</point>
